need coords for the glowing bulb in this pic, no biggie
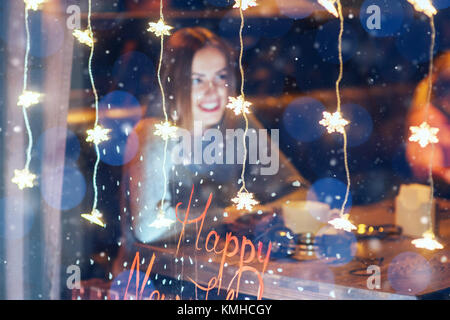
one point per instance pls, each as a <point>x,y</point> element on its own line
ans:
<point>28,99</point>
<point>334,122</point>
<point>161,221</point>
<point>424,134</point>
<point>425,6</point>
<point>342,223</point>
<point>165,130</point>
<point>329,5</point>
<point>23,178</point>
<point>238,105</point>
<point>85,37</point>
<point>245,4</point>
<point>94,217</point>
<point>159,28</point>
<point>33,4</point>
<point>97,135</point>
<point>244,200</point>
<point>427,242</point>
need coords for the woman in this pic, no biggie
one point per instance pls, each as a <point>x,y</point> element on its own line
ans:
<point>438,117</point>
<point>199,76</point>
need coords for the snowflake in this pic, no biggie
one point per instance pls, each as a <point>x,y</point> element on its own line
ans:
<point>161,221</point>
<point>85,37</point>
<point>28,98</point>
<point>342,223</point>
<point>165,130</point>
<point>424,134</point>
<point>427,242</point>
<point>238,105</point>
<point>334,122</point>
<point>94,217</point>
<point>97,135</point>
<point>329,5</point>
<point>244,200</point>
<point>425,6</point>
<point>33,4</point>
<point>245,4</point>
<point>159,28</point>
<point>23,178</point>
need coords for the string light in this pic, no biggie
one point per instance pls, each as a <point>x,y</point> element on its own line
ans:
<point>95,135</point>
<point>244,198</point>
<point>84,36</point>
<point>342,223</point>
<point>424,134</point>
<point>334,122</point>
<point>424,6</point>
<point>427,241</point>
<point>24,178</point>
<point>329,5</point>
<point>164,129</point>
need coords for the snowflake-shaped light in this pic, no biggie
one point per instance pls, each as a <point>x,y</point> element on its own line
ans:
<point>424,134</point>
<point>85,37</point>
<point>94,217</point>
<point>28,99</point>
<point>245,4</point>
<point>97,135</point>
<point>165,130</point>
<point>161,221</point>
<point>427,242</point>
<point>33,4</point>
<point>425,6</point>
<point>342,223</point>
<point>23,178</point>
<point>329,5</point>
<point>159,28</point>
<point>244,200</point>
<point>334,122</point>
<point>238,105</point>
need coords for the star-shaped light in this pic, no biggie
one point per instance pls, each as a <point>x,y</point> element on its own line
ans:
<point>427,242</point>
<point>159,28</point>
<point>23,178</point>
<point>238,105</point>
<point>97,135</point>
<point>28,99</point>
<point>342,223</point>
<point>244,200</point>
<point>165,130</point>
<point>425,6</point>
<point>424,134</point>
<point>245,4</point>
<point>94,217</point>
<point>161,221</point>
<point>329,5</point>
<point>33,4</point>
<point>85,37</point>
<point>334,122</point>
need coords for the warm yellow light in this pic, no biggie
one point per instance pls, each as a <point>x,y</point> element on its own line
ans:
<point>97,135</point>
<point>334,122</point>
<point>361,228</point>
<point>159,28</point>
<point>244,200</point>
<point>238,105</point>
<point>165,130</point>
<point>342,223</point>
<point>33,4</point>
<point>245,4</point>
<point>424,134</point>
<point>28,99</point>
<point>424,6</point>
<point>23,178</point>
<point>94,217</point>
<point>329,5</point>
<point>161,221</point>
<point>85,37</point>
<point>427,241</point>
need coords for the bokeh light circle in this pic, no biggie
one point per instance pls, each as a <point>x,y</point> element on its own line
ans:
<point>335,246</point>
<point>360,127</point>
<point>326,42</point>
<point>330,191</point>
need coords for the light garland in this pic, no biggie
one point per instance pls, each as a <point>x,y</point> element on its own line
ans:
<point>425,134</point>
<point>329,5</point>
<point>24,178</point>
<point>336,123</point>
<point>244,199</point>
<point>164,129</point>
<point>98,134</point>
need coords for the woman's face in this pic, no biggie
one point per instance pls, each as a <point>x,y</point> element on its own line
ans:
<point>209,94</point>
